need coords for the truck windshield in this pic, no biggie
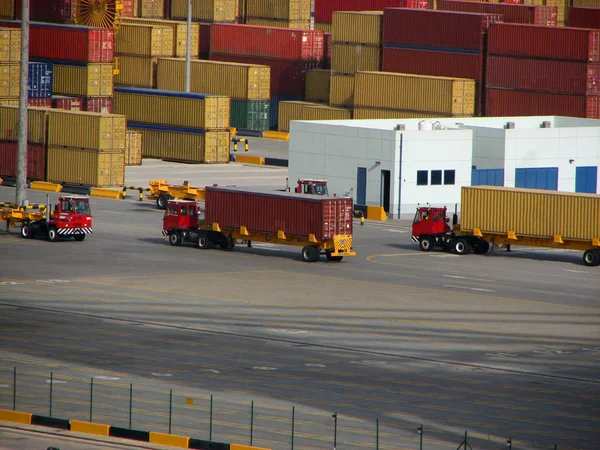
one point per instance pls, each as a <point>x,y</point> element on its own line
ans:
<point>81,206</point>
<point>321,189</point>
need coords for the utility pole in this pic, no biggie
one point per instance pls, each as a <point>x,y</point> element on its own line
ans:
<point>24,85</point>
<point>188,54</point>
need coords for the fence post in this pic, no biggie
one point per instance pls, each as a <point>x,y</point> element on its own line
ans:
<point>15,389</point>
<point>420,433</point>
<point>293,419</point>
<point>377,433</point>
<point>170,408</point>
<point>130,402</point>
<point>211,417</point>
<point>334,415</point>
<point>51,383</point>
<point>91,397</point>
<point>251,421</point>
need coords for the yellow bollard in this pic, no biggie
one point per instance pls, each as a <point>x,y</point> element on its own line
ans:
<point>362,220</point>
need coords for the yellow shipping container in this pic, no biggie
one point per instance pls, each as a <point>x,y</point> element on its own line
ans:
<point>379,113</point>
<point>341,90</point>
<point>300,24</point>
<point>352,58</point>
<point>323,112</point>
<point>9,101</point>
<point>317,85</point>
<point>234,80</point>
<point>150,8</point>
<point>7,9</point>
<point>323,26</point>
<point>531,212</point>
<point>182,110</point>
<point>82,129</point>
<point>138,71</point>
<point>93,80</point>
<point>10,45</point>
<point>37,124</point>
<point>357,27</point>
<point>586,4</point>
<point>179,33</point>
<point>205,10</point>
<point>291,110</point>
<point>10,80</point>
<point>418,93</point>
<point>133,148</point>
<point>144,40</point>
<point>86,166</point>
<point>211,147</point>
<point>295,10</point>
<point>562,7</point>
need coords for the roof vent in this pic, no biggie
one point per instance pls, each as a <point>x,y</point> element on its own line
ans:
<point>510,125</point>
<point>546,124</point>
<point>400,127</point>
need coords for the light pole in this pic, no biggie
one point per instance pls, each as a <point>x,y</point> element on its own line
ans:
<point>188,49</point>
<point>509,444</point>
<point>334,415</point>
<point>420,433</point>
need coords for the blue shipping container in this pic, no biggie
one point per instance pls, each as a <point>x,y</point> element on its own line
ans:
<point>40,80</point>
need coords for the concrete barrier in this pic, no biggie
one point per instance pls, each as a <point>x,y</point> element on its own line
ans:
<point>45,186</point>
<point>249,159</point>
<point>246,447</point>
<point>279,135</point>
<point>169,439</point>
<point>15,416</point>
<point>376,213</point>
<point>99,429</point>
<point>127,433</point>
<point>53,422</point>
<point>201,444</point>
<point>106,193</point>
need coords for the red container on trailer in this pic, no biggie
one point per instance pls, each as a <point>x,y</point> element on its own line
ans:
<point>324,8</point>
<point>268,212</point>
<point>537,41</point>
<point>204,38</point>
<point>512,13</point>
<point>584,17</point>
<point>98,105</point>
<point>507,102</point>
<point>36,160</point>
<point>436,29</point>
<point>573,77</point>
<point>68,103</point>
<point>287,77</point>
<point>40,102</point>
<point>266,42</point>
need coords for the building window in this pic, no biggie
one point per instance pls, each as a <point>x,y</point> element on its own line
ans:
<point>449,176</point>
<point>436,177</point>
<point>422,178</point>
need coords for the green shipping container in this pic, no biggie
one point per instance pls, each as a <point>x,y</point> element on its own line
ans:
<point>250,114</point>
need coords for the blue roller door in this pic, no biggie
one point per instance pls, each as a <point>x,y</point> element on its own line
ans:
<point>361,186</point>
<point>487,177</point>
<point>586,179</point>
<point>537,178</point>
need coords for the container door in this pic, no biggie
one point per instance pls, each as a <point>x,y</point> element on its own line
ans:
<point>385,190</point>
<point>361,186</point>
<point>586,179</point>
<point>537,178</point>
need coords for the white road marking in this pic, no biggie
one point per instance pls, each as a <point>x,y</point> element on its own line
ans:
<point>502,355</point>
<point>4,385</point>
<point>156,374</point>
<point>285,330</point>
<point>52,281</point>
<point>552,352</point>
<point>444,256</point>
<point>469,288</point>
<point>467,278</point>
<point>315,365</point>
<point>264,368</point>
<point>111,212</point>
<point>7,283</point>
<point>394,230</point>
<point>55,382</point>
<point>209,370</point>
<point>575,271</point>
<point>368,363</point>
<point>265,246</point>
<point>104,377</point>
<point>591,349</point>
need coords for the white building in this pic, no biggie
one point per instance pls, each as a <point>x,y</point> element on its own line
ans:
<point>399,163</point>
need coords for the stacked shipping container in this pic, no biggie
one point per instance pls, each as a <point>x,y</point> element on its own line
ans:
<point>278,13</point>
<point>584,17</point>
<point>512,13</point>
<point>298,110</point>
<point>217,11</point>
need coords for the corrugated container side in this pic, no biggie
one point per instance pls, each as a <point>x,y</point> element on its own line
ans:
<point>585,3</point>
<point>128,8</point>
<point>324,9</point>
<point>39,80</point>
<point>10,85</point>
<point>237,81</point>
<point>584,17</point>
<point>102,105</point>
<point>150,8</point>
<point>573,77</point>
<point>455,96</point>
<point>265,42</point>
<point>544,42</point>
<point>380,113</point>
<point>561,6</point>
<point>352,58</point>
<point>358,27</point>
<point>317,85</point>
<point>530,212</point>
<point>36,160</point>
<point>133,148</point>
<point>279,9</point>
<point>37,124</point>
<point>68,103</point>
<point>138,71</point>
<point>40,102</point>
<point>10,45</point>
<point>179,34</point>
<point>341,90</point>
<point>324,27</point>
<point>93,80</point>
<point>276,100</point>
<point>291,110</point>
<point>250,114</point>
<point>7,10</point>
<point>205,10</point>
<point>508,102</point>
<point>86,166</point>
<point>160,108</point>
<point>204,41</point>
<point>144,40</point>
<point>512,13</point>
<point>327,50</point>
<point>322,112</point>
<point>279,23</point>
<point>86,130</point>
<point>295,214</point>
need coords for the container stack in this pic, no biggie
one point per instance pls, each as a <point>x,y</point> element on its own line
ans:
<point>278,13</point>
<point>213,11</point>
<point>150,9</point>
<point>298,110</point>
<point>289,53</point>
<point>512,13</point>
<point>453,46</point>
<point>10,68</point>
<point>584,17</point>
<point>535,70</point>
<point>179,34</point>
<point>177,126</point>
<point>562,7</point>
<point>317,85</point>
<point>133,148</point>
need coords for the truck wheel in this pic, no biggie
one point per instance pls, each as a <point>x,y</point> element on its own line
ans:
<point>462,247</point>
<point>591,257</point>
<point>27,231</point>
<point>203,242</point>
<point>333,258</point>
<point>162,201</point>
<point>427,244</point>
<point>175,239</point>
<point>79,237</point>
<point>52,235</point>
<point>481,247</point>
<point>310,253</point>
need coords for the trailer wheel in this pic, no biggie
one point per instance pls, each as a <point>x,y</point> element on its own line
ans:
<point>27,231</point>
<point>591,257</point>
<point>310,253</point>
<point>175,239</point>
<point>53,235</point>
<point>203,242</point>
<point>481,248</point>
<point>162,201</point>
<point>427,244</point>
<point>332,258</point>
<point>79,237</point>
<point>462,247</point>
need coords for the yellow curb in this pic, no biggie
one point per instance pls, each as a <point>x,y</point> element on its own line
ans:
<point>45,186</point>
<point>249,159</point>
<point>106,193</point>
<point>280,135</point>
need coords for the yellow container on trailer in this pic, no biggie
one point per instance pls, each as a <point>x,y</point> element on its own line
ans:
<point>352,58</point>
<point>144,40</point>
<point>37,124</point>
<point>357,27</point>
<point>341,90</point>
<point>10,45</point>
<point>92,80</point>
<point>138,71</point>
<point>205,10</point>
<point>179,33</point>
<point>317,85</point>
<point>88,167</point>
<point>82,129</point>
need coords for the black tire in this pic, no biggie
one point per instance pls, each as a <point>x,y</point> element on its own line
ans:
<point>79,237</point>
<point>310,253</point>
<point>427,244</point>
<point>227,244</point>
<point>481,248</point>
<point>462,247</point>
<point>332,258</point>
<point>27,231</point>
<point>53,235</point>
<point>162,201</point>
<point>175,239</point>
<point>203,242</point>
<point>591,257</point>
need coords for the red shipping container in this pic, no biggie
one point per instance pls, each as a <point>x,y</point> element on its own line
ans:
<point>98,105</point>
<point>324,8</point>
<point>287,77</point>
<point>584,17</point>
<point>537,41</point>
<point>40,102</point>
<point>204,39</point>
<point>128,8</point>
<point>543,75</point>
<point>36,160</point>
<point>297,215</point>
<point>512,13</point>
<point>266,42</point>
<point>59,11</point>
<point>68,103</point>
<point>327,50</point>
<point>444,29</point>
<point>85,44</point>
<point>507,102</point>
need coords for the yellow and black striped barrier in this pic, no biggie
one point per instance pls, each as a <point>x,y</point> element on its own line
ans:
<point>140,190</point>
<point>237,140</point>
